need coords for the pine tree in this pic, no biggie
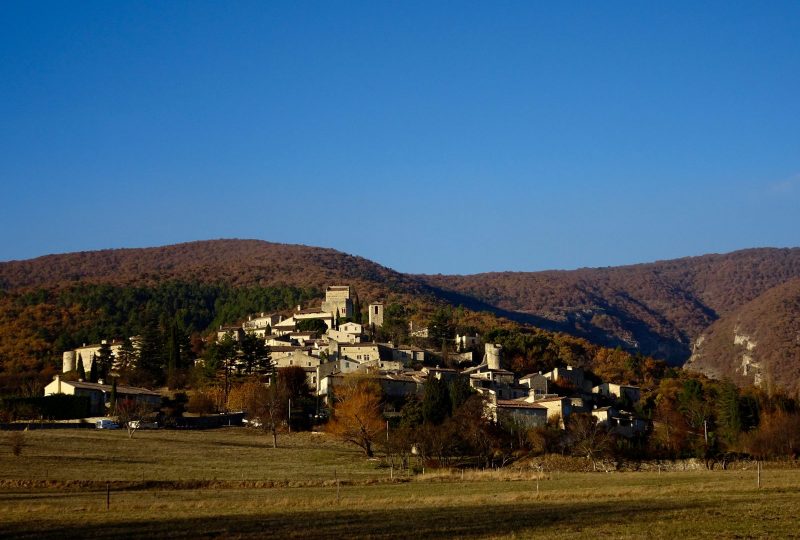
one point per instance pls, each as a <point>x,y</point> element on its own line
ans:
<point>126,356</point>
<point>151,353</point>
<point>104,360</point>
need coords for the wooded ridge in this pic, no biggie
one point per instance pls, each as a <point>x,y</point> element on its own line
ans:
<point>658,309</point>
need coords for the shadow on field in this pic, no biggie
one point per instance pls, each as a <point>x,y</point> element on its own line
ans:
<point>460,521</point>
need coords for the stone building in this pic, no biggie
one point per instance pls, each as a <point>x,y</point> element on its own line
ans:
<point>338,301</point>
<point>376,314</point>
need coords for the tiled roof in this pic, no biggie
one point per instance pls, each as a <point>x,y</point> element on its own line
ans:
<point>107,388</point>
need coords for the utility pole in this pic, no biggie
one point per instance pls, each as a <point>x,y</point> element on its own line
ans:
<point>289,416</point>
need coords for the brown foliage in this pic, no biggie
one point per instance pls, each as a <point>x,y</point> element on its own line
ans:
<point>661,306</point>
<point>778,435</point>
<point>201,402</point>
<point>357,417</point>
<point>772,320</point>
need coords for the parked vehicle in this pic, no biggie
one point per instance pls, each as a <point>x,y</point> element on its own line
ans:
<point>106,423</point>
<point>138,424</point>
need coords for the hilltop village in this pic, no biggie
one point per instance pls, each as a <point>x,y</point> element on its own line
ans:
<point>328,345</point>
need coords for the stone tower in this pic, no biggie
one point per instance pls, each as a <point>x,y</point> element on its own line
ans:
<point>376,314</point>
<point>493,353</point>
<point>68,363</point>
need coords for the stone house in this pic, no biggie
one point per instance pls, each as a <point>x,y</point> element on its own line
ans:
<point>99,394</point>
<point>620,392</point>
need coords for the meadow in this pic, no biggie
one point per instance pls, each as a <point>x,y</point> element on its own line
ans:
<point>230,483</point>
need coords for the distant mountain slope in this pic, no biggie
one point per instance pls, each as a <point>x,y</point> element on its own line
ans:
<point>658,308</point>
<point>236,262</point>
<point>757,343</point>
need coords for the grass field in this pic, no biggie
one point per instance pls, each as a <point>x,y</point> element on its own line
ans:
<point>718,504</point>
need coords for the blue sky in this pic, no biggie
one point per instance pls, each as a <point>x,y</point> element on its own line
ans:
<point>452,137</point>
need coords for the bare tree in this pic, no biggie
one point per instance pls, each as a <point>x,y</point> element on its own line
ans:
<point>131,413</point>
<point>267,407</point>
<point>588,438</point>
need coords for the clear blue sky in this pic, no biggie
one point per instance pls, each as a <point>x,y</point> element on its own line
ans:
<point>451,137</point>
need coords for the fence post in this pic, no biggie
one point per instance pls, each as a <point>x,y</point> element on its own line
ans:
<point>758,473</point>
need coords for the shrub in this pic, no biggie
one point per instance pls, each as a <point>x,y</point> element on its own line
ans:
<point>16,440</point>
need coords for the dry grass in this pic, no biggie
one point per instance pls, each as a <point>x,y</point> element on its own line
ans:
<point>231,454</point>
<point>506,504</point>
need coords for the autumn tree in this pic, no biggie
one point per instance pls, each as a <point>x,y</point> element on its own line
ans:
<point>357,417</point>
<point>778,435</point>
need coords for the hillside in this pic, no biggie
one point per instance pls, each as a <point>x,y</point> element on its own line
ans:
<point>757,343</point>
<point>658,308</point>
<point>240,263</point>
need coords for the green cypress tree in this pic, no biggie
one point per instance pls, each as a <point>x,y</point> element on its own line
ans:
<point>436,404</point>
<point>93,370</point>
<point>173,354</point>
<point>113,399</point>
<point>81,369</point>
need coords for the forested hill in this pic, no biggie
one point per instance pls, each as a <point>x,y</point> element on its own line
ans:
<point>659,308</point>
<point>238,263</point>
<point>757,343</point>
